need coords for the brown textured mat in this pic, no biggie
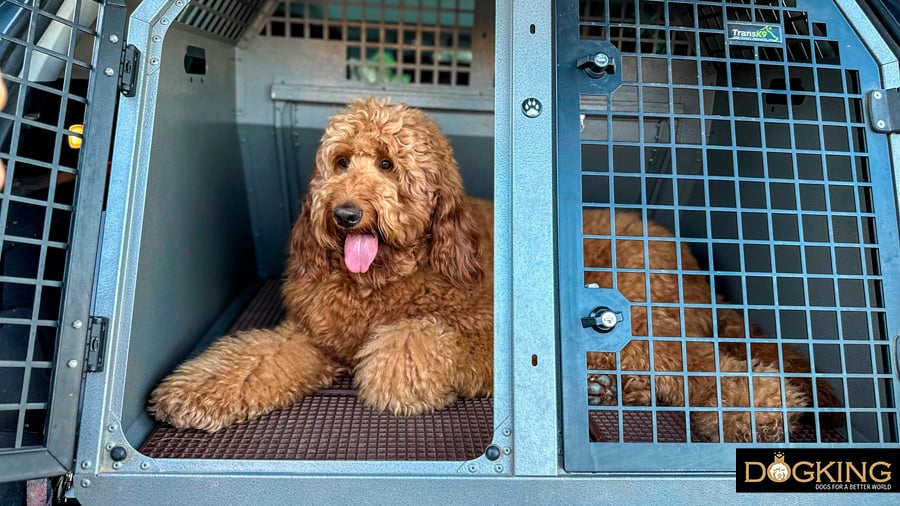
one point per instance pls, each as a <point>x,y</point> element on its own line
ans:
<point>330,425</point>
<point>671,428</point>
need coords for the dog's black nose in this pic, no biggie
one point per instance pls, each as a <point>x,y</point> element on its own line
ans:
<point>347,215</point>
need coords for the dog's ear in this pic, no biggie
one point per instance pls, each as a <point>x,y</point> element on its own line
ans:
<point>454,248</point>
<point>308,258</point>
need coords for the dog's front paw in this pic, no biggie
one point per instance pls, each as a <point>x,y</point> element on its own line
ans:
<point>188,399</point>
<point>406,368</point>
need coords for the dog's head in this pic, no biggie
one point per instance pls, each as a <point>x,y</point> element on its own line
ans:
<point>385,198</point>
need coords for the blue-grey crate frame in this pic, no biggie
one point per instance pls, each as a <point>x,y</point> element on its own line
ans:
<point>56,455</point>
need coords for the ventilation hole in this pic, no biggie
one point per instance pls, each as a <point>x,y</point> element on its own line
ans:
<point>531,28</point>
<point>534,359</point>
<point>195,60</point>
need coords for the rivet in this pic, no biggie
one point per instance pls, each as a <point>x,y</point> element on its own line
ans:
<point>85,482</point>
<point>164,21</point>
<point>112,427</point>
<point>145,465</point>
<point>77,324</point>
<point>498,468</point>
<point>880,123</point>
<point>72,364</point>
<point>117,465</point>
<point>506,450</point>
<point>157,38</point>
<point>472,468</point>
<point>154,61</point>
<point>601,59</point>
<point>85,464</point>
<point>876,95</point>
<point>109,71</point>
<point>179,3</point>
<point>507,431</point>
<point>109,446</point>
<point>114,38</point>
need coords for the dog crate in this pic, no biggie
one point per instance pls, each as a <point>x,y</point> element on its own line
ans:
<point>761,154</point>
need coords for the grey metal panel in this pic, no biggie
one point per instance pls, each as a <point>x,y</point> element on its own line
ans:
<point>196,247</point>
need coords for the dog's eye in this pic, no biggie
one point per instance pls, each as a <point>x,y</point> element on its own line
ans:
<point>343,163</point>
<point>386,165</point>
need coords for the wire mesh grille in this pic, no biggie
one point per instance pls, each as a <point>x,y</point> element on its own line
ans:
<point>394,41</point>
<point>225,18</point>
<point>753,161</point>
<point>45,60</point>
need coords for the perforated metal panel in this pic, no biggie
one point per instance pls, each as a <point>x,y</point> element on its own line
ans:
<point>47,48</point>
<point>775,242</point>
<point>227,19</point>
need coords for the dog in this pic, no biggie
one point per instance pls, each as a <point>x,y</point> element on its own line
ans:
<point>635,389</point>
<point>390,277</point>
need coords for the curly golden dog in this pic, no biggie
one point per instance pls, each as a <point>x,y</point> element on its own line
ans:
<point>390,277</point>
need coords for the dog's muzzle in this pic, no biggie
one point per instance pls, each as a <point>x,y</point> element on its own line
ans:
<point>348,215</point>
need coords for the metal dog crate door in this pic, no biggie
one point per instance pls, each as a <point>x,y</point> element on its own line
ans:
<point>740,128</point>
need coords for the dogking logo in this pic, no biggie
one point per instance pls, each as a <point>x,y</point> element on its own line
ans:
<point>817,470</point>
<point>751,32</point>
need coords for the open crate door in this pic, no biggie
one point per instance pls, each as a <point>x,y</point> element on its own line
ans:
<point>61,63</point>
<point>742,128</point>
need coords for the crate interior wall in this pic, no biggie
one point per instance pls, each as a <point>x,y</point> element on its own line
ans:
<point>760,161</point>
<point>238,113</point>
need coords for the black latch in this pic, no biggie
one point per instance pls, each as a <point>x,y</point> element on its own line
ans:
<point>884,110</point>
<point>128,70</point>
<point>96,343</point>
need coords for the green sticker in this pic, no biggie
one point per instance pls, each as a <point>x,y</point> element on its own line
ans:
<point>752,32</point>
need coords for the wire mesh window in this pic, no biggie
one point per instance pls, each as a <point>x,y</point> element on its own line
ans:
<point>45,60</point>
<point>393,41</point>
<point>753,161</point>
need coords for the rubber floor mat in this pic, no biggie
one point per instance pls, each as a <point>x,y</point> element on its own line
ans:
<point>330,425</point>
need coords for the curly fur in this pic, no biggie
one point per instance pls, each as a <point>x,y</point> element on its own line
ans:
<point>415,329</point>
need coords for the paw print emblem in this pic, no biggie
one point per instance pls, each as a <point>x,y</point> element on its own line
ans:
<point>531,107</point>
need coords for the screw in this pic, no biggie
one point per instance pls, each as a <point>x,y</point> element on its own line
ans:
<point>880,123</point>
<point>109,71</point>
<point>876,95</point>
<point>72,364</point>
<point>77,324</point>
<point>85,482</point>
<point>114,38</point>
<point>601,60</point>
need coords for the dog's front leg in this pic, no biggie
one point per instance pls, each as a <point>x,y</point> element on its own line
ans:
<point>241,377</point>
<point>419,365</point>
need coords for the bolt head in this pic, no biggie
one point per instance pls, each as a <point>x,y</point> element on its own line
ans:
<point>72,364</point>
<point>492,452</point>
<point>109,71</point>
<point>880,123</point>
<point>114,38</point>
<point>876,95</point>
<point>77,324</point>
<point>608,319</point>
<point>601,59</point>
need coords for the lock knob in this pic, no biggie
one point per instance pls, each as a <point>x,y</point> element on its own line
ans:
<point>602,319</point>
<point>597,65</point>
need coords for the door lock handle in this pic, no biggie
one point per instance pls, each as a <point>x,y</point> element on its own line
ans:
<point>597,65</point>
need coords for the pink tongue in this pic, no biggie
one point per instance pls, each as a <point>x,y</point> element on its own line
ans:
<point>360,251</point>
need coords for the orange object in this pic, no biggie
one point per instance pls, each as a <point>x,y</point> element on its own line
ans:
<point>75,142</point>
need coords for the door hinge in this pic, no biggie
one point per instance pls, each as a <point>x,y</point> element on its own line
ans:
<point>884,110</point>
<point>128,70</point>
<point>96,343</point>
